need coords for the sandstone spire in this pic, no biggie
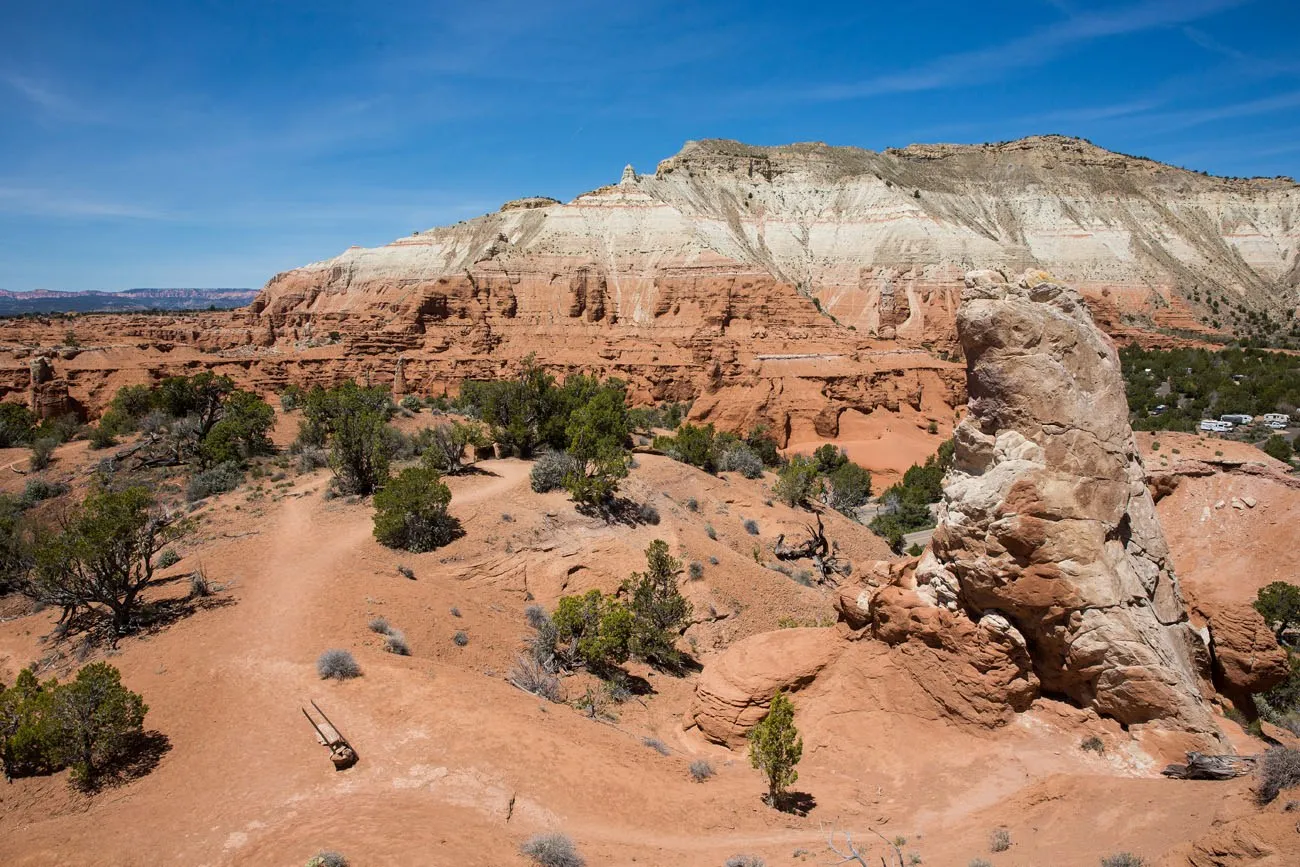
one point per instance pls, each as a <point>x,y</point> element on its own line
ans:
<point>629,175</point>
<point>1047,519</point>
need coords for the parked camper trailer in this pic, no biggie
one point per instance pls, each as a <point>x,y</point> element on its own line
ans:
<point>1276,420</point>
<point>1215,426</point>
<point>1237,418</point>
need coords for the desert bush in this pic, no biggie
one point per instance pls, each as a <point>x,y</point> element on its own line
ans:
<point>411,512</point>
<point>328,859</point>
<point>696,570</point>
<point>850,487</point>
<point>1093,744</point>
<point>42,453</point>
<point>691,445</point>
<point>798,481</point>
<point>167,558</point>
<point>740,458</point>
<point>38,490</point>
<point>454,611</point>
<point>217,480</point>
<point>1000,840</point>
<point>95,722</point>
<point>1279,769</point>
<point>354,422</point>
<point>461,638</point>
<point>710,532</point>
<point>411,403</point>
<point>406,572</point>
<point>291,398</point>
<point>700,770</point>
<point>102,436</point>
<point>337,664</point>
<point>597,434</point>
<point>532,676</point>
<point>593,630</point>
<point>200,586</point>
<point>745,861</point>
<point>713,561</point>
<point>16,424</point>
<point>692,504</point>
<point>549,471</point>
<point>312,458</point>
<point>1123,859</point>
<point>648,514</point>
<point>395,642</point>
<point>536,616</point>
<point>380,625</point>
<point>657,745</point>
<point>445,450</point>
<point>552,850</point>
<point>751,526</point>
<point>979,862</point>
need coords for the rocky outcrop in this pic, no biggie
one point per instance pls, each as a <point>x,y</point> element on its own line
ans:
<point>736,689</point>
<point>1047,520</point>
<point>1247,657</point>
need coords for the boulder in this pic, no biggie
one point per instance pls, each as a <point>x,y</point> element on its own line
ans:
<point>1247,657</point>
<point>736,689</point>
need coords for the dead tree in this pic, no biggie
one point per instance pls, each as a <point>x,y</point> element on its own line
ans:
<point>850,851</point>
<point>817,548</point>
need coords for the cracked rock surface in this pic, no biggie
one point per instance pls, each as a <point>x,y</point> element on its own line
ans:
<point>1047,520</point>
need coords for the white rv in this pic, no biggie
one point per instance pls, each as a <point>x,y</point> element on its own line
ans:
<point>1276,420</point>
<point>1237,418</point>
<point>1215,426</point>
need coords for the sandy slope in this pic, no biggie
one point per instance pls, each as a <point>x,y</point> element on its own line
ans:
<point>457,766</point>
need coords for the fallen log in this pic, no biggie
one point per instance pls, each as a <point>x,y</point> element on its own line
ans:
<point>1202,767</point>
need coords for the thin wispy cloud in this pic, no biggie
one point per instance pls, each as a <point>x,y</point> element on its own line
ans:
<point>45,98</point>
<point>966,68</point>
<point>27,201</point>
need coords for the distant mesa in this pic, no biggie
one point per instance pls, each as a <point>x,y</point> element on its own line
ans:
<point>94,301</point>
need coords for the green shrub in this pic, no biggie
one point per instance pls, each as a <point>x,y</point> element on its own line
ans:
<point>411,512</point>
<point>797,482</point>
<point>742,459</point>
<point>593,630</point>
<point>16,424</point>
<point>1123,859</point>
<point>96,722</point>
<point>39,490</point>
<point>829,458</point>
<point>216,480</point>
<point>102,437</point>
<point>42,453</point>
<point>1279,605</point>
<point>354,422</point>
<point>167,558</point>
<point>850,487</point>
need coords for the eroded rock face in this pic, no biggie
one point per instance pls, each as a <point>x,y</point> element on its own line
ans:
<point>736,689</point>
<point>1047,519</point>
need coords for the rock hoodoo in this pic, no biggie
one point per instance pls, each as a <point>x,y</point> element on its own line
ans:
<point>1047,520</point>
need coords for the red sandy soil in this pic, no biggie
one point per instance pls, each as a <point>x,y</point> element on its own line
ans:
<point>458,767</point>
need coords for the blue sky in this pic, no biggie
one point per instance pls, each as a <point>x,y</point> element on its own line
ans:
<point>216,142</point>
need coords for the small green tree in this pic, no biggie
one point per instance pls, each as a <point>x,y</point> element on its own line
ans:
<point>411,511</point>
<point>829,458</point>
<point>25,725</point>
<point>1279,447</point>
<point>593,630</point>
<point>1279,605</point>
<point>242,431</point>
<point>692,445</point>
<point>354,421</point>
<point>16,424</point>
<point>850,487</point>
<point>98,558</point>
<point>775,748</point>
<point>597,432</point>
<point>798,481</point>
<point>95,721</point>
<point>658,608</point>
<point>445,450</point>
